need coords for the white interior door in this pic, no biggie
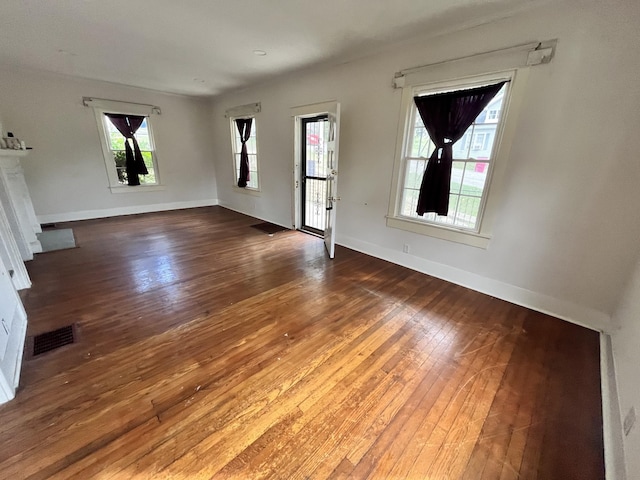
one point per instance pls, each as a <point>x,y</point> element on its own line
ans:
<point>332,180</point>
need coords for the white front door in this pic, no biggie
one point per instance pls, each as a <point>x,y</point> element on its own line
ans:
<point>332,180</point>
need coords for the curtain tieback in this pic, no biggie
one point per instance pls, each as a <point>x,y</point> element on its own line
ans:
<point>439,151</point>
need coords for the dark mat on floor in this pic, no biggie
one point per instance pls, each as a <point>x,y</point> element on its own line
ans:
<point>269,228</point>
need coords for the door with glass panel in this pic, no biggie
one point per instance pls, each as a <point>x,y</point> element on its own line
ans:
<point>313,156</point>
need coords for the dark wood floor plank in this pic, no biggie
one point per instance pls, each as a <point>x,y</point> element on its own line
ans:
<point>209,349</point>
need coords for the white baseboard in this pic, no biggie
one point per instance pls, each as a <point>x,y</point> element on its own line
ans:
<point>130,210</point>
<point>614,461</point>
<point>571,312</point>
<point>249,214</point>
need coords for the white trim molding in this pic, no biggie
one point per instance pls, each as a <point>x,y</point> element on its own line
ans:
<point>614,458</point>
<point>244,110</point>
<point>117,106</point>
<point>525,55</point>
<point>131,210</point>
<point>314,109</point>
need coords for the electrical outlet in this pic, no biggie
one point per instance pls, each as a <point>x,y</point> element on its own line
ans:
<point>629,421</point>
<point>405,248</point>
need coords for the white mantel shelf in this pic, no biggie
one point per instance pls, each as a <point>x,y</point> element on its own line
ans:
<point>7,152</point>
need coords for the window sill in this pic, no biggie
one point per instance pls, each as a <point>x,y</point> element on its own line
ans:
<point>251,191</point>
<point>137,188</point>
<point>451,234</point>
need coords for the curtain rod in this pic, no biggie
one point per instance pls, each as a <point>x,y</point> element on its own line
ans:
<point>87,101</point>
<point>538,53</point>
<point>524,46</point>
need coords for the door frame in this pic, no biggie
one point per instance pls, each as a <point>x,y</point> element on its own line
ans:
<point>297,114</point>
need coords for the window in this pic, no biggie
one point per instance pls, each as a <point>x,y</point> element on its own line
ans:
<point>468,176</point>
<point>474,159</point>
<point>116,145</point>
<point>252,150</point>
<point>492,115</point>
<point>139,120</point>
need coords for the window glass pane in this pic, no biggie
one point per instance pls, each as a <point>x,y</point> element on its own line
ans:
<point>483,139</point>
<point>119,157</point>
<point>122,175</point>
<point>148,159</point>
<point>475,176</point>
<point>253,179</point>
<point>468,210</point>
<point>148,179</point>
<point>143,142</point>
<point>409,202</point>
<point>456,177</point>
<point>251,145</point>
<point>116,140</point>
<point>316,133</point>
<point>461,147</point>
<point>421,145</point>
<point>414,173</point>
<point>253,163</point>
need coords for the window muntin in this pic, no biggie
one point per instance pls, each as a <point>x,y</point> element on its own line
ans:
<point>472,161</point>
<point>252,150</point>
<point>115,144</point>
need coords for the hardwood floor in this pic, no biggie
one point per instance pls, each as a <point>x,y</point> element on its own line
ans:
<point>208,349</point>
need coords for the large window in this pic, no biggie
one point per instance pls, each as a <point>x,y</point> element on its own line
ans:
<point>472,161</point>
<point>479,156</point>
<point>116,145</point>
<point>252,149</point>
<point>119,123</point>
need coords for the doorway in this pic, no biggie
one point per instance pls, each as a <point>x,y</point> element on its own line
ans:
<point>313,171</point>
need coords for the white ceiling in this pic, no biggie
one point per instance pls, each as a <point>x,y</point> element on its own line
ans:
<point>205,47</point>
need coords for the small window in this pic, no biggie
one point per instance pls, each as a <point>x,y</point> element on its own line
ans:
<point>252,150</point>
<point>116,145</point>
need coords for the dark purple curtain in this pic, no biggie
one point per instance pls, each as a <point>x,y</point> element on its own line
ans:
<point>128,125</point>
<point>244,128</point>
<point>446,116</point>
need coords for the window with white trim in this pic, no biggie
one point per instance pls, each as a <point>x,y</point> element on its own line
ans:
<point>252,150</point>
<point>116,147</point>
<point>471,167</point>
<point>474,159</point>
<point>113,143</point>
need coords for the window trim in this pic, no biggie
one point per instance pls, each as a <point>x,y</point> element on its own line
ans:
<point>114,185</point>
<point>494,186</point>
<point>233,131</point>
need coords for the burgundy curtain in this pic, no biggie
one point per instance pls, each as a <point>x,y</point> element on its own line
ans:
<point>446,116</point>
<point>128,125</point>
<point>244,128</point>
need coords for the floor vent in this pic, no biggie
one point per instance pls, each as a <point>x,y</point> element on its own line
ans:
<point>45,342</point>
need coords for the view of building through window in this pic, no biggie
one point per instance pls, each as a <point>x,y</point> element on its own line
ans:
<point>472,156</point>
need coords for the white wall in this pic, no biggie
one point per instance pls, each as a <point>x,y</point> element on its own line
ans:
<point>626,350</point>
<point>568,223</point>
<point>66,172</point>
